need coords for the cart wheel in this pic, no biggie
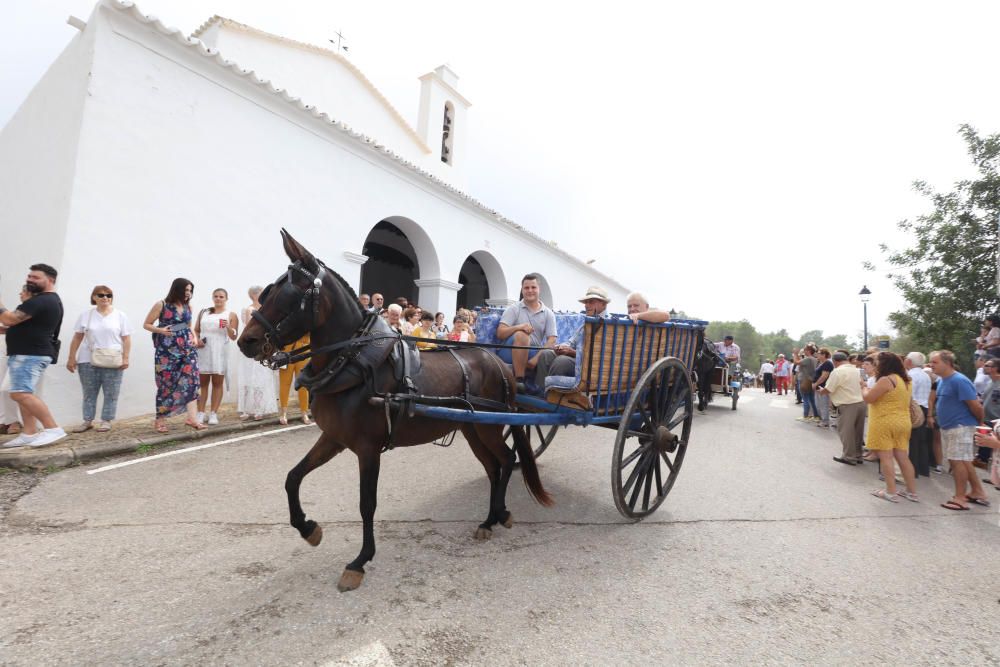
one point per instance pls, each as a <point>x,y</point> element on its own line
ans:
<point>539,437</point>
<point>652,439</point>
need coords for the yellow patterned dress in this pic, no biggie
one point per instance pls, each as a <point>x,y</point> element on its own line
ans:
<point>889,418</point>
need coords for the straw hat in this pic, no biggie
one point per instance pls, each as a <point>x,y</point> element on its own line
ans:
<point>595,292</point>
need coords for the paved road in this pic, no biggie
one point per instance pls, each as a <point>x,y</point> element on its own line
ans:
<point>766,551</point>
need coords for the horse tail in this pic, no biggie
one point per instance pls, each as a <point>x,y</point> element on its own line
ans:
<point>528,468</point>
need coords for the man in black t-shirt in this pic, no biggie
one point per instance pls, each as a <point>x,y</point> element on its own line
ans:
<point>32,345</point>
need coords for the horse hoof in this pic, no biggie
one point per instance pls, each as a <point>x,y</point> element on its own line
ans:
<point>316,537</point>
<point>483,534</point>
<point>350,580</point>
<point>509,521</point>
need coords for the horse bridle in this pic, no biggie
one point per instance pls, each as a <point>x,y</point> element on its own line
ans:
<point>308,306</point>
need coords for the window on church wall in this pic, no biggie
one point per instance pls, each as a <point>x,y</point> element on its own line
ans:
<point>447,133</point>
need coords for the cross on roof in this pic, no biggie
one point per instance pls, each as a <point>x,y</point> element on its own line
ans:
<point>341,42</point>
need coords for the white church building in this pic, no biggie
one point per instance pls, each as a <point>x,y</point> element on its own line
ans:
<point>144,154</point>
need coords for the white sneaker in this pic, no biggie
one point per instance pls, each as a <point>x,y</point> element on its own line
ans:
<point>213,419</point>
<point>21,440</point>
<point>47,437</point>
<point>200,418</point>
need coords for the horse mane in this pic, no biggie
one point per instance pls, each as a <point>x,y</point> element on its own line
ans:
<point>346,286</point>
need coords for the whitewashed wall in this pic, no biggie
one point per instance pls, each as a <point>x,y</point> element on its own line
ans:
<point>185,169</point>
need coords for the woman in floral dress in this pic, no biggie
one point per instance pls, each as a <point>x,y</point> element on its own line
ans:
<point>175,356</point>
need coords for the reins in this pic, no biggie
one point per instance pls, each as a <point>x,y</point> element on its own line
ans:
<point>279,358</point>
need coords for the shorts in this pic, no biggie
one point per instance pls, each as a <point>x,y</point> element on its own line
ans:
<point>957,443</point>
<point>25,371</point>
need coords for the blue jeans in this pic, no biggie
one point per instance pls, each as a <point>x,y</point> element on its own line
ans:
<point>93,380</point>
<point>809,401</point>
<point>822,403</point>
<point>25,371</point>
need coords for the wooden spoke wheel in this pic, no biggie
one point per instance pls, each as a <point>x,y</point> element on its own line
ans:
<point>652,438</point>
<point>539,436</point>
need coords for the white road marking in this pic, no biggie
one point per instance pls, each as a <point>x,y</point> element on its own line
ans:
<point>146,459</point>
<point>373,655</point>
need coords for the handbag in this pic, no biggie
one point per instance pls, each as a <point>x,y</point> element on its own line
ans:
<point>916,414</point>
<point>103,357</point>
<point>806,386</point>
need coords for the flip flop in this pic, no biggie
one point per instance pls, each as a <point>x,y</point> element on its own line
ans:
<point>198,426</point>
<point>839,459</point>
<point>884,495</point>
<point>952,505</point>
<point>982,502</point>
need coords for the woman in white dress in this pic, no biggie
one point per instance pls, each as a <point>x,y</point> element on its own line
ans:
<point>257,395</point>
<point>215,327</point>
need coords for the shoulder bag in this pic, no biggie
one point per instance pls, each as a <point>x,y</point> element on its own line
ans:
<point>103,357</point>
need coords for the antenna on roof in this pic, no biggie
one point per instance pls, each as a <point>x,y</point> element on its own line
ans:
<point>340,42</point>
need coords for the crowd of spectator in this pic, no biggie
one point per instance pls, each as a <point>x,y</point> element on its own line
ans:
<point>914,416</point>
<point>192,356</point>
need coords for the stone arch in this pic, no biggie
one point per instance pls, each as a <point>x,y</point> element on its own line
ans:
<point>483,281</point>
<point>399,253</point>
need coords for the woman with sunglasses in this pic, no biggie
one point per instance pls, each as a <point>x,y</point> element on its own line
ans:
<point>102,340</point>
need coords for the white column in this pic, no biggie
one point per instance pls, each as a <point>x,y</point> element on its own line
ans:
<point>437,295</point>
<point>353,275</point>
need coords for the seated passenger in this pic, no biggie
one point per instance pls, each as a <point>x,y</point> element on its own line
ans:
<point>529,322</point>
<point>562,359</point>
<point>638,309</point>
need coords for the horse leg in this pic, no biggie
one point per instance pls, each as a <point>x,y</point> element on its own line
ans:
<point>324,450</point>
<point>492,466</point>
<point>492,437</point>
<point>368,464</point>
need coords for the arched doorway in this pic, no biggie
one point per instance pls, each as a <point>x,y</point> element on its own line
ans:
<point>475,287</point>
<point>392,264</point>
<point>483,282</point>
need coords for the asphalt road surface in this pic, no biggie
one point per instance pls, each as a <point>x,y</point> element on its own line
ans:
<point>765,552</point>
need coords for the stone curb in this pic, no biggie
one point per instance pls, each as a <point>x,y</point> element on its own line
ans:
<point>60,456</point>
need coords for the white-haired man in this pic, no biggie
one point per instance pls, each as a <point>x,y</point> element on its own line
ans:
<point>638,309</point>
<point>920,438</point>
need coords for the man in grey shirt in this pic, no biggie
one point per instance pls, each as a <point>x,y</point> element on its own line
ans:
<point>529,322</point>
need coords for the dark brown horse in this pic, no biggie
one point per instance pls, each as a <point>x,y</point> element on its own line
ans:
<point>351,380</point>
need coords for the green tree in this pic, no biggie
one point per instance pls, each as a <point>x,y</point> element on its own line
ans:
<point>948,275</point>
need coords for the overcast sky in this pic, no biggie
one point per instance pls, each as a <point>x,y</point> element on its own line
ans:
<point>731,159</point>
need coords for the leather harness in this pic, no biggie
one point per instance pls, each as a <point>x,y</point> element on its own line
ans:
<point>359,357</point>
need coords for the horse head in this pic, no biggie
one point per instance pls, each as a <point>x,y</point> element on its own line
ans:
<point>302,300</point>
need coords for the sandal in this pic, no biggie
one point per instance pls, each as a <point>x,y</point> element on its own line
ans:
<point>82,428</point>
<point>912,497</point>
<point>982,502</point>
<point>198,426</point>
<point>161,426</point>
<point>283,419</point>
<point>14,429</point>
<point>954,505</point>
<point>885,495</point>
<point>103,427</point>
<point>305,419</point>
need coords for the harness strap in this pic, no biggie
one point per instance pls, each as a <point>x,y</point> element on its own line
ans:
<point>465,373</point>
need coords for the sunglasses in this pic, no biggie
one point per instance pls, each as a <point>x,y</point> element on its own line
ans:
<point>104,296</point>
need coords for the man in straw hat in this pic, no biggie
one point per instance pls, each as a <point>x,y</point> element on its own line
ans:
<point>562,359</point>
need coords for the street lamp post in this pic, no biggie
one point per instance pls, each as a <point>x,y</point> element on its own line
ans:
<point>865,294</point>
